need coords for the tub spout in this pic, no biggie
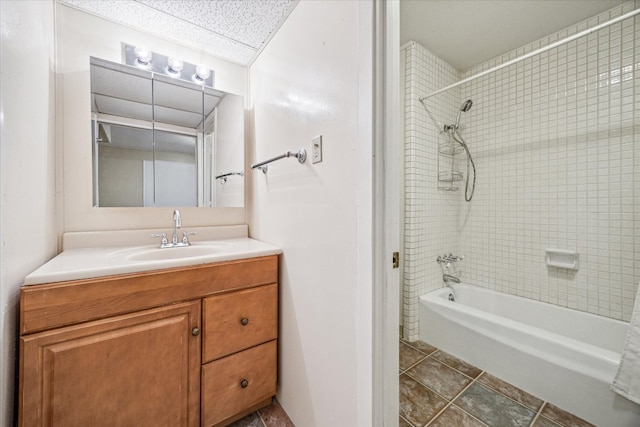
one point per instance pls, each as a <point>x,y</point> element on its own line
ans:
<point>449,278</point>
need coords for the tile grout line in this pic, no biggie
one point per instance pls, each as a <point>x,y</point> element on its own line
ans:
<point>430,355</point>
<point>457,370</point>
<point>413,365</point>
<point>538,414</point>
<point>406,420</point>
<point>450,402</point>
<point>421,351</point>
<point>261,419</point>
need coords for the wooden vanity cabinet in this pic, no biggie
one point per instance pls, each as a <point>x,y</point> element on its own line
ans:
<point>128,354</point>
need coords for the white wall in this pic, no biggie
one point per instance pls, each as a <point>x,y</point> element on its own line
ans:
<point>81,35</point>
<point>310,81</point>
<point>27,166</point>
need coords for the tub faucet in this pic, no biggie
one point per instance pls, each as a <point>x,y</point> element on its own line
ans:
<point>177,223</point>
<point>449,278</point>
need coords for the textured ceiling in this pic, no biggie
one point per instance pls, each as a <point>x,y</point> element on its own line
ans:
<point>235,30</point>
<point>462,32</point>
<point>465,33</point>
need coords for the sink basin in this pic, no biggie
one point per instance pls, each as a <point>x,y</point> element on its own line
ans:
<point>147,253</point>
<point>174,253</point>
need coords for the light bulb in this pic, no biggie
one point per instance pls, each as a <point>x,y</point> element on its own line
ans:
<point>202,73</point>
<point>143,55</point>
<point>174,66</point>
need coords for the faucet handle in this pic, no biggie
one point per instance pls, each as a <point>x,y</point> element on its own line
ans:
<point>165,241</point>
<point>185,239</point>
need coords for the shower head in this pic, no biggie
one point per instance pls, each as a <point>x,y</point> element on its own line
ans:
<point>466,106</point>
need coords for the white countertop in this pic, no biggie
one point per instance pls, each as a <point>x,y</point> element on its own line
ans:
<point>84,263</point>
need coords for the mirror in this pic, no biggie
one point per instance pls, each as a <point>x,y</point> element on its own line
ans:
<point>159,141</point>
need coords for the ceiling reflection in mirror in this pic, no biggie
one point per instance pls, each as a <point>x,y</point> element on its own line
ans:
<point>160,141</point>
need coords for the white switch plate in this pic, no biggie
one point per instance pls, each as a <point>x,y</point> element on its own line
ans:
<point>316,149</point>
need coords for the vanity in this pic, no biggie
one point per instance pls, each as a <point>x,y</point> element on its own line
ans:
<point>132,336</point>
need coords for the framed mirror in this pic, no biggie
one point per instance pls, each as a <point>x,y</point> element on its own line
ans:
<point>162,142</point>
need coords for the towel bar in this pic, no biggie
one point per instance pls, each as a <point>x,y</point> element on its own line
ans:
<point>224,176</point>
<point>300,155</point>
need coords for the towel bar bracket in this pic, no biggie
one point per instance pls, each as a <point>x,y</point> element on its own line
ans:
<point>300,155</point>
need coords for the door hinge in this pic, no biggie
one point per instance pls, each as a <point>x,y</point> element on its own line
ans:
<point>396,259</point>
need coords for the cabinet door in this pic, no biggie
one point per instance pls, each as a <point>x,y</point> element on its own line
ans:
<point>141,369</point>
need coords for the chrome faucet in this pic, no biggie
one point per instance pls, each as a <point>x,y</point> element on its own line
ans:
<point>177,224</point>
<point>449,278</point>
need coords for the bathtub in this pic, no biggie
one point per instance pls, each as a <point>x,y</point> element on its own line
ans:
<point>564,356</point>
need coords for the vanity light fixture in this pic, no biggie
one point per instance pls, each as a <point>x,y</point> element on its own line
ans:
<point>172,66</point>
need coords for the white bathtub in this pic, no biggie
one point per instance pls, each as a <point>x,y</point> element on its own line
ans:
<point>566,357</point>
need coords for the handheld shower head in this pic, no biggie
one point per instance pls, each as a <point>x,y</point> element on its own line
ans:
<point>466,106</point>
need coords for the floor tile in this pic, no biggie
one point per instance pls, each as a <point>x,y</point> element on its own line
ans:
<point>456,363</point>
<point>251,420</point>
<point>511,391</point>
<point>409,356</point>
<point>422,346</point>
<point>274,416</point>
<point>562,417</point>
<point>427,381</point>
<point>492,408</point>
<point>439,377</point>
<point>418,404</point>
<point>543,422</point>
<point>454,416</point>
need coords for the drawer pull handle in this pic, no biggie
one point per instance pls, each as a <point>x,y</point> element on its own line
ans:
<point>244,321</point>
<point>244,383</point>
<point>195,331</point>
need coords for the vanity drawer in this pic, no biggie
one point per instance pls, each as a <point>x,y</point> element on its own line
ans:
<point>236,382</point>
<point>239,320</point>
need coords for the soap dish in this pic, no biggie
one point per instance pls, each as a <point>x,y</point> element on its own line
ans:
<point>562,258</point>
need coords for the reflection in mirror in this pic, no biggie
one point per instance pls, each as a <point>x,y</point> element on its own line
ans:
<point>158,141</point>
<point>178,116</point>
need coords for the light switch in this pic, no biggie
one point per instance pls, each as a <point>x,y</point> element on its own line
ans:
<point>316,149</point>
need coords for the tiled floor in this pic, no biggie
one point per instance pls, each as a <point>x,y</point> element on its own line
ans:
<point>270,416</point>
<point>438,390</point>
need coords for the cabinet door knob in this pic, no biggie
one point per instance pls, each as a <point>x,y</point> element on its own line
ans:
<point>244,321</point>
<point>244,383</point>
<point>195,331</point>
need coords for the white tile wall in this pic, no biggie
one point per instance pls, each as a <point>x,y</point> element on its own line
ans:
<point>430,215</point>
<point>553,141</point>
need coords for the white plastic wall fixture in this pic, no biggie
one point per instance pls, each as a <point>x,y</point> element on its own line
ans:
<point>562,258</point>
